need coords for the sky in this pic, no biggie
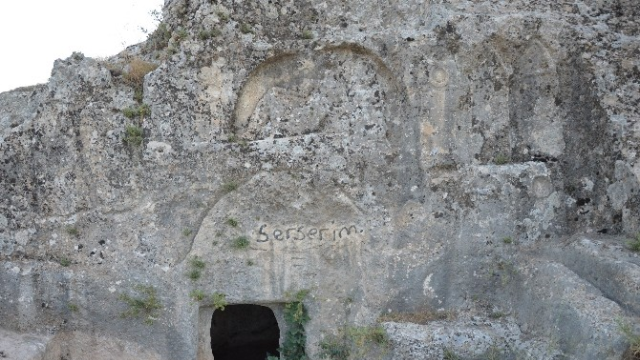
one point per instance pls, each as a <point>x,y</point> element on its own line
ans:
<point>37,32</point>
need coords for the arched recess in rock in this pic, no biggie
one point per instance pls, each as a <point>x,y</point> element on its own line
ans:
<point>536,129</point>
<point>489,113</point>
<point>344,89</point>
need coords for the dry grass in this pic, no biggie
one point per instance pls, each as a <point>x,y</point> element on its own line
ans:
<point>138,68</point>
<point>418,317</point>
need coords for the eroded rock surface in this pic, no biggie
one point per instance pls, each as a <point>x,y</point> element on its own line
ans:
<point>469,157</point>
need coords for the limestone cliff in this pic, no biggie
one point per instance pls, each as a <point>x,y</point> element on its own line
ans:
<point>476,159</point>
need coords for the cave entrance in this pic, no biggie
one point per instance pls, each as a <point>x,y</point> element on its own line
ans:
<point>244,332</point>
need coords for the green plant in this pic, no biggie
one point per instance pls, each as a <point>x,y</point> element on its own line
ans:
<point>250,262</point>
<point>137,95</point>
<point>334,348</point>
<point>449,355</point>
<point>181,34</point>
<point>72,307</point>
<point>241,242</point>
<point>186,232</point>
<point>229,186</point>
<point>245,28</point>
<point>219,301</point>
<point>223,16</point>
<point>356,342</point>
<point>232,138</point>
<point>507,240</point>
<point>196,267</point>
<point>633,351</point>
<point>500,159</point>
<point>194,274</point>
<point>197,295</point>
<point>159,39</point>
<point>133,135</point>
<point>197,263</point>
<point>271,357</point>
<point>72,230</point>
<point>136,111</point>
<point>497,315</point>
<point>146,304</point>
<point>65,262</point>
<point>208,34</point>
<point>307,34</point>
<point>232,222</point>
<point>296,316</point>
<point>493,353</point>
<point>634,245</point>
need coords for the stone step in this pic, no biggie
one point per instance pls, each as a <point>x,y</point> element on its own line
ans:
<point>17,346</point>
<point>555,303</point>
<point>607,264</point>
<point>474,338</point>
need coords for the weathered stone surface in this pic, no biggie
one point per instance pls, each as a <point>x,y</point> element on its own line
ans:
<point>478,157</point>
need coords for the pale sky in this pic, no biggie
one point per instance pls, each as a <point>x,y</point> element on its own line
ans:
<point>37,32</point>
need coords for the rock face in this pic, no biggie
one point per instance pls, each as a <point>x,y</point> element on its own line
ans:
<point>477,158</point>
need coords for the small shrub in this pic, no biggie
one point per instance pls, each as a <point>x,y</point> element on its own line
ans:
<point>232,222</point>
<point>245,28</point>
<point>138,95</point>
<point>307,35</point>
<point>145,305</point>
<point>137,111</point>
<point>159,39</point>
<point>65,262</point>
<point>223,16</point>
<point>72,230</point>
<point>500,159</point>
<point>250,262</point>
<point>205,35</point>
<point>230,186</point>
<point>296,316</point>
<point>72,307</point>
<point>181,34</point>
<point>334,348</point>
<point>194,274</point>
<point>497,315</point>
<point>197,263</point>
<point>133,135</point>
<point>241,242</point>
<point>219,301</point>
<point>449,355</point>
<point>186,232</point>
<point>232,138</point>
<point>353,342</point>
<point>634,245</point>
<point>197,295</point>
<point>507,240</point>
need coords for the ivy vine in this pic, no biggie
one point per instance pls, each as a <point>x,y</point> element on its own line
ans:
<point>296,316</point>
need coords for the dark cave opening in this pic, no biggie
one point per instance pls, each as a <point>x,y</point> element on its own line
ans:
<point>244,332</point>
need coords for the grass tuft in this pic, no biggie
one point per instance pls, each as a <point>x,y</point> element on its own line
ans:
<point>241,242</point>
<point>634,245</point>
<point>133,135</point>
<point>146,304</point>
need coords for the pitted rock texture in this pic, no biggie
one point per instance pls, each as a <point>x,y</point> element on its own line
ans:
<point>467,156</point>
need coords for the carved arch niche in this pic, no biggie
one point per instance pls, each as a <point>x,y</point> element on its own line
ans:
<point>536,128</point>
<point>341,90</point>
